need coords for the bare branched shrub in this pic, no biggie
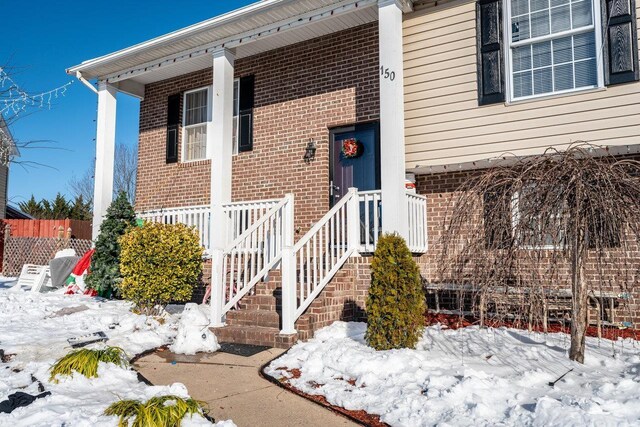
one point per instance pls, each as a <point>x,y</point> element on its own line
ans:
<point>520,236</point>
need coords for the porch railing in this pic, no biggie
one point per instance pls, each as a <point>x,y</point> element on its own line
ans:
<point>241,215</point>
<point>417,238</point>
<point>317,257</point>
<point>192,216</point>
<point>370,206</point>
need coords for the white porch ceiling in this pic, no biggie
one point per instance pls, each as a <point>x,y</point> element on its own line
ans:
<point>245,30</point>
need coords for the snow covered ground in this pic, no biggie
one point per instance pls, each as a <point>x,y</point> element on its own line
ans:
<point>470,377</point>
<point>35,328</point>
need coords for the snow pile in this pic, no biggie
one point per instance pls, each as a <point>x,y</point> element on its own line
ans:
<point>35,327</point>
<point>471,377</point>
<point>193,332</point>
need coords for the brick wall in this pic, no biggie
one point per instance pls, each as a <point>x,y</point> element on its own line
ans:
<point>440,190</point>
<point>301,91</point>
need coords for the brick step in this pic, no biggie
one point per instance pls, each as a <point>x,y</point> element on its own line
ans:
<point>261,302</point>
<point>255,335</point>
<point>262,318</point>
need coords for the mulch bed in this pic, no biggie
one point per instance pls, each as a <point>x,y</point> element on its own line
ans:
<point>360,417</point>
<point>453,321</point>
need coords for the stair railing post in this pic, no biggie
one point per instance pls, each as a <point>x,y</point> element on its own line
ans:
<point>288,270</point>
<point>353,220</point>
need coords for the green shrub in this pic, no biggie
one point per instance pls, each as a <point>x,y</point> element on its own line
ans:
<point>85,362</point>
<point>159,411</point>
<point>104,273</point>
<point>396,303</point>
<point>160,263</point>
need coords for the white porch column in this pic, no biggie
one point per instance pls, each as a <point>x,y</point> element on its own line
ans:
<point>392,150</point>
<point>105,152</point>
<point>219,149</point>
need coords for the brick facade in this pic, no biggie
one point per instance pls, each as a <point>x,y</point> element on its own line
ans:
<point>301,91</point>
<point>441,188</point>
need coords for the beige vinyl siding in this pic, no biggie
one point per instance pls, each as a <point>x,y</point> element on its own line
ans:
<point>444,124</point>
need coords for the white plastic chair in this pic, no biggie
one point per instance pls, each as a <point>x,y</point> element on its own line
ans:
<point>29,275</point>
<point>43,281</point>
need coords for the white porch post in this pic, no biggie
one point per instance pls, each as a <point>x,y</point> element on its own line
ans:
<point>392,150</point>
<point>219,150</point>
<point>288,271</point>
<point>105,152</point>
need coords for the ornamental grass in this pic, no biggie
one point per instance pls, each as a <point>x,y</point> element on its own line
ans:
<point>85,362</point>
<point>159,411</point>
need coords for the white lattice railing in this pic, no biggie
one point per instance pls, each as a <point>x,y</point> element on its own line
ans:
<point>193,216</point>
<point>317,257</point>
<point>248,258</point>
<point>417,210</point>
<point>370,205</point>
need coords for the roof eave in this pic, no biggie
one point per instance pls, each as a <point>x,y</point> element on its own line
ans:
<point>259,6</point>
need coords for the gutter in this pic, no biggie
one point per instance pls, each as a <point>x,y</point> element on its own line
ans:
<point>86,82</point>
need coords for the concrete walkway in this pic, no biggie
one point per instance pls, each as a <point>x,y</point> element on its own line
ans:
<point>234,390</point>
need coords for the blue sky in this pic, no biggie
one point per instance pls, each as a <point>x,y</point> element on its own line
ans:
<point>42,39</point>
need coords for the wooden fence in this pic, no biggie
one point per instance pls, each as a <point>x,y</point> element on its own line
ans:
<point>49,228</point>
<point>35,241</point>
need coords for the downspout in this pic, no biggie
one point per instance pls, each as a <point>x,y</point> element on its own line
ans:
<point>86,82</point>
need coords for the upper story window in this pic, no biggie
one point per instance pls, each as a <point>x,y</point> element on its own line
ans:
<point>553,47</point>
<point>196,115</point>
<point>533,48</point>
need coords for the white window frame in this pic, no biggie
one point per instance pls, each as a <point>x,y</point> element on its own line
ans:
<point>236,118</point>
<point>207,124</point>
<point>506,22</point>
<point>515,221</point>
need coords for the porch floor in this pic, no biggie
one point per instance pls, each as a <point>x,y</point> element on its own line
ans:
<point>233,389</point>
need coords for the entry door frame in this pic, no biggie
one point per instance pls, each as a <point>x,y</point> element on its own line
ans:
<point>352,128</point>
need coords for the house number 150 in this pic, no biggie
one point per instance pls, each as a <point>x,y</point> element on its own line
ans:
<point>384,72</point>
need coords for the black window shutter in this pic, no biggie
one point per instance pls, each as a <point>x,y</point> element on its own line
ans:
<point>246,101</point>
<point>173,123</point>
<point>620,41</point>
<point>490,57</point>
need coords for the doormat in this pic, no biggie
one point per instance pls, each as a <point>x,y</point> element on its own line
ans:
<point>245,350</point>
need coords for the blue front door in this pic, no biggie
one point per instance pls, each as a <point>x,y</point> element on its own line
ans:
<point>355,159</point>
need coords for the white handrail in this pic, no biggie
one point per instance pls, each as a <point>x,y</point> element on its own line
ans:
<point>317,257</point>
<point>242,214</point>
<point>251,255</point>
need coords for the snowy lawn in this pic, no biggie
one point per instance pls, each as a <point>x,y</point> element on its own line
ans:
<point>35,327</point>
<point>470,377</point>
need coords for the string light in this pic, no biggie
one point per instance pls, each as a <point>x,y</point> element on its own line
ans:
<point>18,100</point>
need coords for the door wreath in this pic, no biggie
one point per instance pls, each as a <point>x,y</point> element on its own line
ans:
<point>352,148</point>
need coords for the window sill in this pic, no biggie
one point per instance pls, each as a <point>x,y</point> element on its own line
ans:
<point>556,95</point>
<point>194,163</point>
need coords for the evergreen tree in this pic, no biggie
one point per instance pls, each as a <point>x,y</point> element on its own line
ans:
<point>80,209</point>
<point>395,304</point>
<point>47,212</point>
<point>31,207</point>
<point>104,274</point>
<point>60,207</point>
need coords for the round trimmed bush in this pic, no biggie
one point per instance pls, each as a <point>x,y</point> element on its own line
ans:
<point>395,304</point>
<point>160,263</point>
